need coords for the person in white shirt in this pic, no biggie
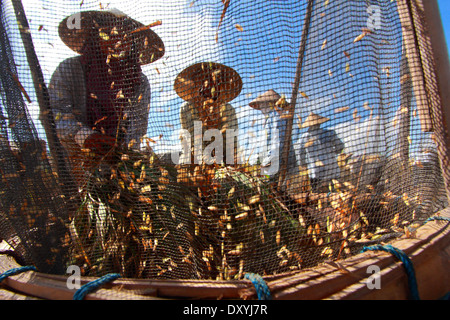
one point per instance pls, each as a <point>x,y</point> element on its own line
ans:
<point>318,151</point>
<point>207,88</point>
<point>272,106</point>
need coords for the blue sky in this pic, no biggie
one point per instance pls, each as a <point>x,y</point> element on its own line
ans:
<point>189,29</point>
<point>444,8</point>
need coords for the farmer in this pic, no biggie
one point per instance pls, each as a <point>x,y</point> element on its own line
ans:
<point>207,88</point>
<point>101,98</point>
<point>319,149</point>
<point>271,104</point>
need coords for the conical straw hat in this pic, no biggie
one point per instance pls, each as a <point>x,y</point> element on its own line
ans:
<point>189,82</point>
<point>269,96</point>
<point>314,119</point>
<point>149,45</point>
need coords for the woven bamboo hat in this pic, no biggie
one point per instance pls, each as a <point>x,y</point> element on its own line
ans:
<point>75,29</point>
<point>269,96</point>
<point>189,82</point>
<point>314,119</point>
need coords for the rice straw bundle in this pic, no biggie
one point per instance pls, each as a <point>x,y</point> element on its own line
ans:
<point>248,227</point>
<point>135,220</point>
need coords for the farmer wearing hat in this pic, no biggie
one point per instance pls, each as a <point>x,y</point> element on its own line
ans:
<point>207,88</point>
<point>273,106</point>
<point>100,98</point>
<point>318,152</point>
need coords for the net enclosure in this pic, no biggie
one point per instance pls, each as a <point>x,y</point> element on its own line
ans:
<point>209,139</point>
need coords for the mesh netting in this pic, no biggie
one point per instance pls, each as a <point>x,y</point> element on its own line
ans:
<point>207,139</point>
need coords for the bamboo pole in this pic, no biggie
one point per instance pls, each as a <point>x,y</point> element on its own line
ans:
<point>56,149</point>
<point>430,73</point>
<point>416,74</point>
<point>405,108</point>
<point>291,106</point>
<point>404,121</point>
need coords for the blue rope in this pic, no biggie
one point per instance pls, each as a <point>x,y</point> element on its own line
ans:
<point>438,219</point>
<point>446,297</point>
<point>15,271</point>
<point>89,287</point>
<point>262,290</point>
<point>407,264</point>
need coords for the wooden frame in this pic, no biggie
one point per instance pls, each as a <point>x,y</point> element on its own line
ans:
<point>436,40</point>
<point>428,59</point>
